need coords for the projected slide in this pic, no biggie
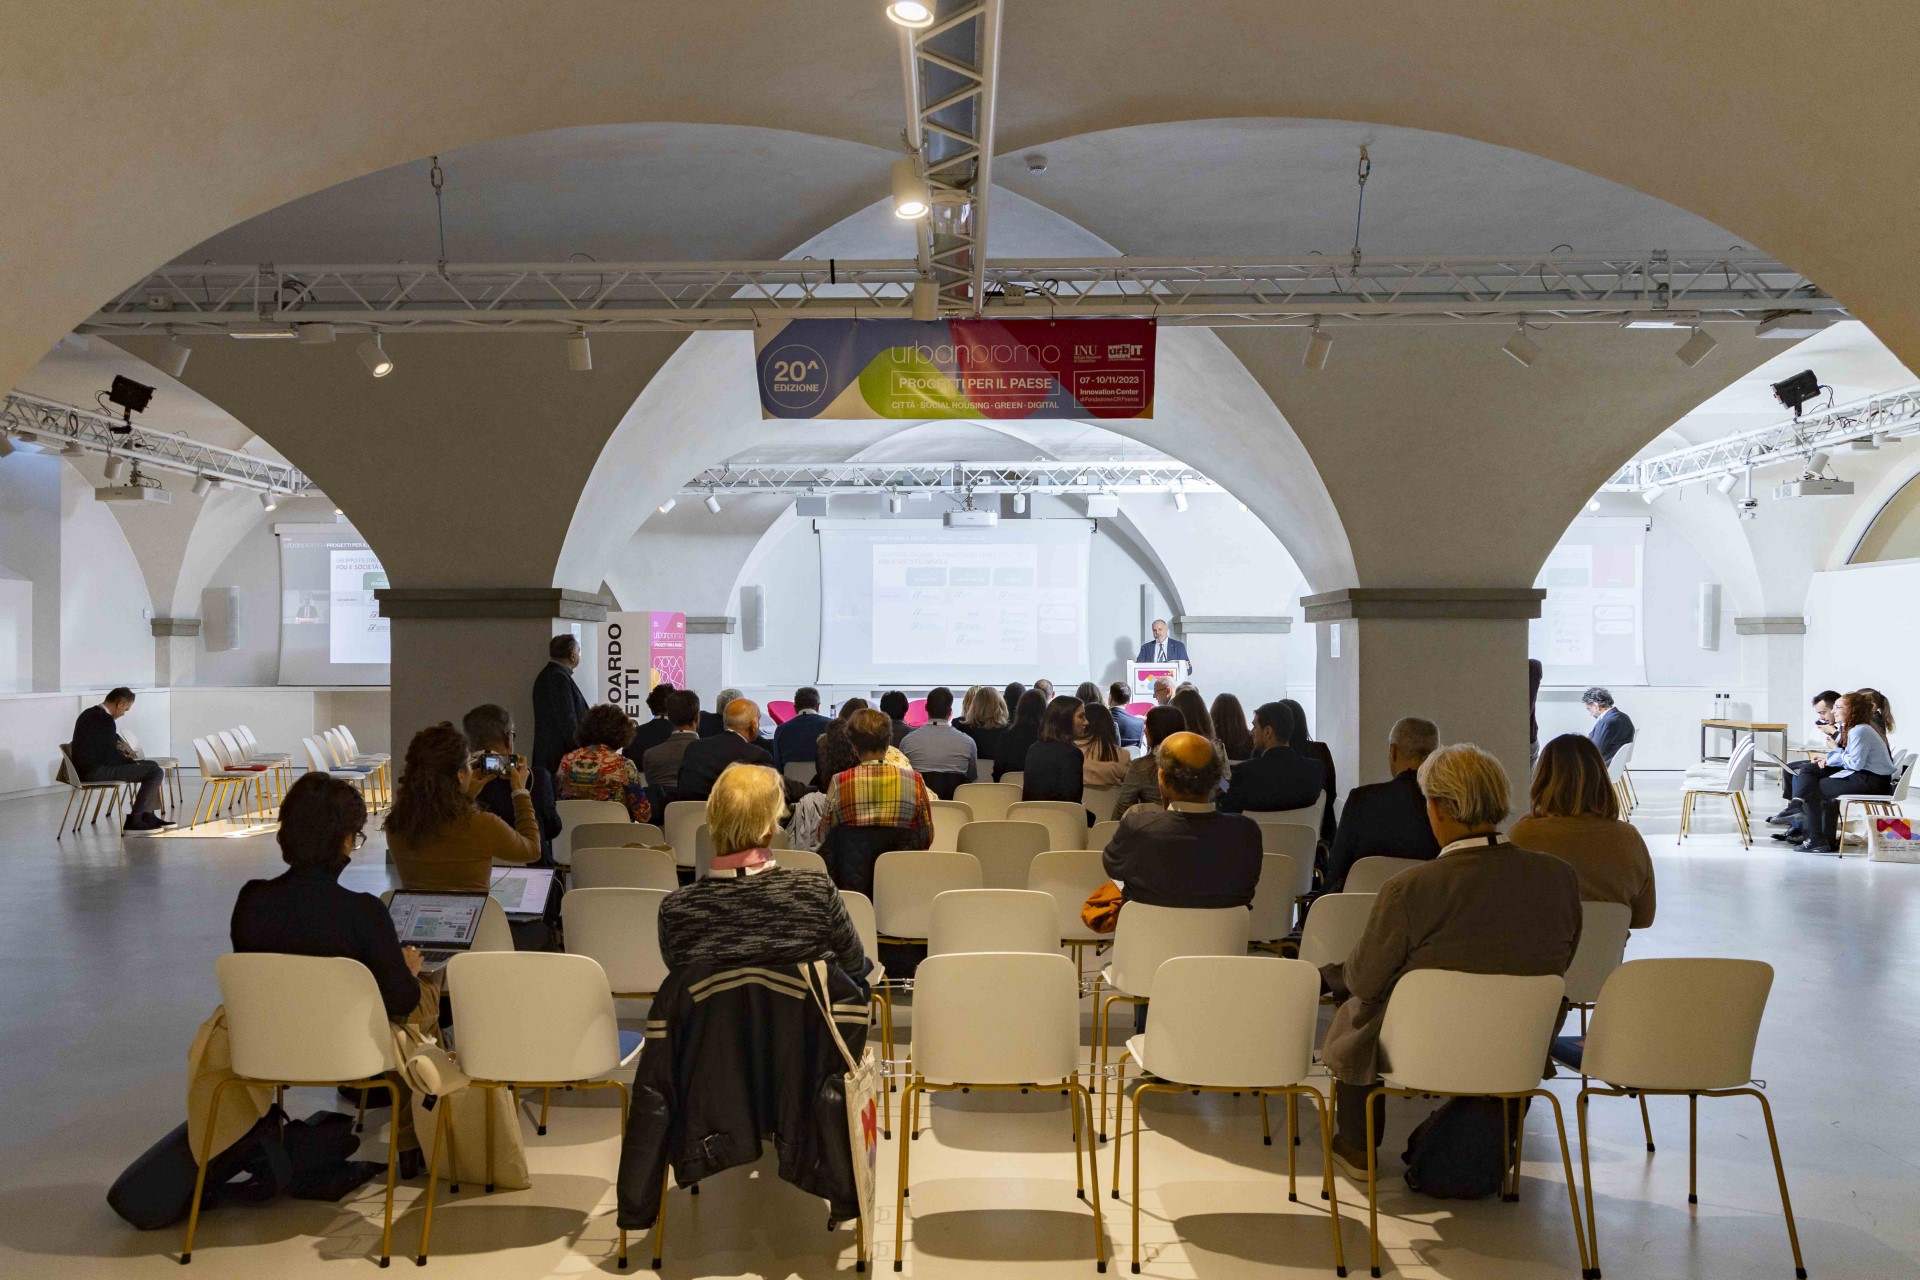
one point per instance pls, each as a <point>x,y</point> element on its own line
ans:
<point>1589,630</point>
<point>331,631</point>
<point>356,632</point>
<point>915,602</point>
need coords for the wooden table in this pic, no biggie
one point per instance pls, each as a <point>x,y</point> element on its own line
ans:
<point>1752,728</point>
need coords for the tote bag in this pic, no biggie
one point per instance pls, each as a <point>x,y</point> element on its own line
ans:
<point>862,1086</point>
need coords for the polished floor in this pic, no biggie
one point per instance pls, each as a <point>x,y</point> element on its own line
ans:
<point>108,950</point>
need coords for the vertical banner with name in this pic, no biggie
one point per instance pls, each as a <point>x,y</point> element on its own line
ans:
<point>667,643</point>
<point>637,652</point>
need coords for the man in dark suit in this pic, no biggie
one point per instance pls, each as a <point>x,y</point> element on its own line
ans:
<point>558,704</point>
<point>708,758</point>
<point>1187,854</point>
<point>713,723</point>
<point>102,755</point>
<point>794,742</point>
<point>1388,819</point>
<point>662,762</point>
<point>1125,723</point>
<point>895,704</point>
<point>1611,728</point>
<point>1278,777</point>
<point>1163,649</point>
<point>655,730</point>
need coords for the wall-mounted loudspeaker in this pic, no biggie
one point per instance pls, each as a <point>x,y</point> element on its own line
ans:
<point>220,619</point>
<point>753,618</point>
<point>1709,615</point>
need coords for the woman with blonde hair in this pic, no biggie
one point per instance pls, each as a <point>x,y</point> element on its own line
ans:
<point>1575,816</point>
<point>986,721</point>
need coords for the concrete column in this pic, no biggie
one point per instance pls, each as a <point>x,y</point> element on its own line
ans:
<point>1773,656</point>
<point>175,645</point>
<point>1457,656</point>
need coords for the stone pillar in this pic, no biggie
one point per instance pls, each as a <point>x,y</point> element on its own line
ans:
<point>1456,656</point>
<point>175,646</point>
<point>456,647</point>
<point>1773,656</point>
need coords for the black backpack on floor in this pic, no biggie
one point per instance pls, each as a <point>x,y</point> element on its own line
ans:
<point>1455,1153</point>
<point>309,1159</point>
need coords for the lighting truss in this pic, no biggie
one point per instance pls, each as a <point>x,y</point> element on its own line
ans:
<point>688,296</point>
<point>1896,414</point>
<point>49,422</point>
<point>951,71</point>
<point>957,478</point>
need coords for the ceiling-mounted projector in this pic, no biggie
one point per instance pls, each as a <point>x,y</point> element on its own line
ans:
<point>972,519</point>
<point>133,493</point>
<point>1813,487</point>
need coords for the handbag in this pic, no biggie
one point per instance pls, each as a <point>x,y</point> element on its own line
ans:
<point>1101,911</point>
<point>436,1081</point>
<point>862,1087</point>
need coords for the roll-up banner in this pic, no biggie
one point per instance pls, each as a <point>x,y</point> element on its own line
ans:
<point>637,652</point>
<point>995,369</point>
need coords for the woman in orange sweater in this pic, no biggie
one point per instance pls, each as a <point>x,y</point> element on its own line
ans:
<point>439,840</point>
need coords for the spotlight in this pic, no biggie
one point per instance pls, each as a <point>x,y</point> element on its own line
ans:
<point>666,506</point>
<point>1593,504</point>
<point>895,504</point>
<point>1696,348</point>
<point>1726,482</point>
<point>713,504</point>
<point>1019,504</point>
<point>269,499</point>
<point>313,335</point>
<point>173,357</point>
<point>1652,495</point>
<point>130,395</point>
<point>201,486</point>
<point>1865,444</point>
<point>1179,500</point>
<point>1794,392</point>
<point>1521,347</point>
<point>909,190</point>
<point>1319,347</point>
<point>580,353</point>
<point>116,467</point>
<point>1817,461</point>
<point>374,355</point>
<point>910,14</point>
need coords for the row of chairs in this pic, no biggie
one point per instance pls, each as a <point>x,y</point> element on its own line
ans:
<point>1732,785</point>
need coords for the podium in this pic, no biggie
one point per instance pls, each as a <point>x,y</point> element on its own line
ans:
<point>1141,675</point>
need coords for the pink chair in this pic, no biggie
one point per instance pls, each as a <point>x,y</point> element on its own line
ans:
<point>1139,708</point>
<point>917,713</point>
<point>780,711</point>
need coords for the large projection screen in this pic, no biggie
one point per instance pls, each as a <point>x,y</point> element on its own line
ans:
<point>1590,629</point>
<point>914,603</point>
<point>331,631</point>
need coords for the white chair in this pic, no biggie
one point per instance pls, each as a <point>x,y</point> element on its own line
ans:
<point>1232,1024</point>
<point>1065,821</point>
<point>1680,1026</point>
<point>228,751</point>
<point>604,868</point>
<point>1297,842</point>
<point>860,911</point>
<point>1739,775</point>
<point>1871,807</point>
<point>948,817</point>
<point>905,883</point>
<point>1147,937</point>
<point>1100,833</point>
<point>1017,779</point>
<point>1068,877</point>
<point>1099,802</point>
<point>800,860</point>
<point>111,795</point>
<point>616,834</point>
<point>575,812</point>
<point>1604,927</point>
<point>997,1022</point>
<point>992,920</point>
<point>989,801</point>
<point>1306,816</point>
<point>682,819</point>
<point>1622,780</point>
<point>530,1020</point>
<point>1368,874</point>
<point>301,1021</point>
<point>619,928</point>
<point>345,752</point>
<point>1470,1035</point>
<point>1271,918</point>
<point>221,788</point>
<point>1006,850</point>
<point>1334,924</point>
<point>171,793</point>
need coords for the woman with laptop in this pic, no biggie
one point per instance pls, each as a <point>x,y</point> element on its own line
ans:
<point>440,840</point>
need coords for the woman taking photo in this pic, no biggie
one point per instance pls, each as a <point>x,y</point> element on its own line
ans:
<point>596,769</point>
<point>1575,816</point>
<point>1055,769</point>
<point>1104,764</point>
<point>439,840</point>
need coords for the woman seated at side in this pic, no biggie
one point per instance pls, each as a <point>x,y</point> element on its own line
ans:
<point>1054,769</point>
<point>747,910</point>
<point>1576,818</point>
<point>1104,764</point>
<point>440,840</point>
<point>1863,765</point>
<point>596,769</point>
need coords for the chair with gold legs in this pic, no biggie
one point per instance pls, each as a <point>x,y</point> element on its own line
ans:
<point>1733,787</point>
<point>1469,1035</point>
<point>221,787</point>
<point>1069,876</point>
<point>860,911</point>
<point>300,1021</point>
<point>1231,1024</point>
<point>1680,1027</point>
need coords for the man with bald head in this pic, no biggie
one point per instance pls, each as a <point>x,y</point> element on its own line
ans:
<point>1187,854</point>
<point>708,758</point>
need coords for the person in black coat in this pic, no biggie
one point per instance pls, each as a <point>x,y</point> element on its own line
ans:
<point>1054,768</point>
<point>1010,755</point>
<point>102,755</point>
<point>1277,777</point>
<point>1388,819</point>
<point>895,704</point>
<point>656,730</point>
<point>708,758</point>
<point>714,723</point>
<point>795,741</point>
<point>558,704</point>
<point>1187,854</point>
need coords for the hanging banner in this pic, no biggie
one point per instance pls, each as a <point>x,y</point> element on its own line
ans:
<point>996,369</point>
<point>637,652</point>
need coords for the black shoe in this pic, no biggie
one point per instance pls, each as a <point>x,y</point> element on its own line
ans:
<point>1814,846</point>
<point>1793,834</point>
<point>1784,818</point>
<point>143,822</point>
<point>412,1163</point>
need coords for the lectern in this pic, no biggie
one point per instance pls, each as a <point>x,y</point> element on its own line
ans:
<point>1141,675</point>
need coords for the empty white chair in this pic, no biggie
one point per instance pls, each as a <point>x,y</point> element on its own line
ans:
<point>997,1021</point>
<point>1368,874</point>
<point>221,787</point>
<point>1733,787</point>
<point>1100,833</point>
<point>620,928</point>
<point>1017,779</point>
<point>682,819</point>
<point>1680,1026</point>
<point>948,817</point>
<point>1066,822</point>
<point>1273,895</point>
<point>1621,779</point>
<point>1099,802</point>
<point>616,834</point>
<point>301,1020</point>
<point>1006,850</point>
<point>992,920</point>
<point>340,742</point>
<point>1469,1035</point>
<point>1297,842</point>
<point>800,860</point>
<point>905,883</point>
<point>1231,1024</point>
<point>1068,876</point>
<point>1306,816</point>
<point>989,801</point>
<point>112,795</point>
<point>575,812</point>
<point>1334,924</point>
<point>1603,945</point>
<point>860,911</point>
<point>171,794</point>
<point>228,751</point>
<point>603,868</point>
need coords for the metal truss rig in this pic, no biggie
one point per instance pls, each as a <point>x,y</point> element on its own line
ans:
<point>268,300</point>
<point>956,478</point>
<point>84,431</point>
<point>951,73</point>
<point>1894,415</point>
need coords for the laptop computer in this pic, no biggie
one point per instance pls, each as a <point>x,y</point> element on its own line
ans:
<point>522,892</point>
<point>441,924</point>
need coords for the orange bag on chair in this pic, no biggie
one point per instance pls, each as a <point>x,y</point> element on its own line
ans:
<point>1101,911</point>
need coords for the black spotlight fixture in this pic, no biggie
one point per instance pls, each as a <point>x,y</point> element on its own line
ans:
<point>132,397</point>
<point>1794,392</point>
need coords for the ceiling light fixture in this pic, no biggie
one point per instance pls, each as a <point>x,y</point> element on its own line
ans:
<point>1019,504</point>
<point>373,354</point>
<point>202,485</point>
<point>1794,392</point>
<point>252,330</point>
<point>666,506</point>
<point>713,504</point>
<point>1319,347</point>
<point>1726,483</point>
<point>1696,348</point>
<point>1865,444</point>
<point>173,357</point>
<point>269,499</point>
<point>895,503</point>
<point>116,467</point>
<point>1791,325</point>
<point>1593,504</point>
<point>1179,500</point>
<point>1817,461</point>
<point>1652,494</point>
<point>909,190</point>
<point>1521,347</point>
<point>910,14</point>
<point>580,353</point>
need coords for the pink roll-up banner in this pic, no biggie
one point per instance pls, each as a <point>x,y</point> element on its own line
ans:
<point>667,642</point>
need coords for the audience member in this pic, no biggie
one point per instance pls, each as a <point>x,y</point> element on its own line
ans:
<point>102,755</point>
<point>1162,691</point>
<point>304,911</point>
<point>1141,786</point>
<point>1277,776</point>
<point>1087,692</point>
<point>746,910</point>
<point>438,839</point>
<point>850,706</point>
<point>714,723</point>
<point>1822,726</point>
<point>558,704</point>
<point>1862,765</point>
<point>1011,695</point>
<point>1188,854</point>
<point>1230,723</point>
<point>1388,819</point>
<point>1193,709</point>
<point>1045,687</point>
<point>938,747</point>
<point>658,727</point>
<point>813,812</point>
<point>662,763</point>
<point>708,758</point>
<point>1020,735</point>
<point>489,731</point>
<point>793,741</point>
<point>597,769</point>
<point>1485,905</point>
<point>1304,743</point>
<point>1125,724</point>
<point>1104,763</point>
<point>1576,818</point>
<point>876,794</point>
<point>895,704</point>
<point>1611,728</point>
<point>1054,768</point>
<point>986,722</point>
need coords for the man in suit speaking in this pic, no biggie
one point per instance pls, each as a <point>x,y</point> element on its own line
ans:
<point>1162,649</point>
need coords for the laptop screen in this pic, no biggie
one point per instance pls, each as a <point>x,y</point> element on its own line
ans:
<point>436,920</point>
<point>522,891</point>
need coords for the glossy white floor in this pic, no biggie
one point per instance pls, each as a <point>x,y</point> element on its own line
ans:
<point>108,952</point>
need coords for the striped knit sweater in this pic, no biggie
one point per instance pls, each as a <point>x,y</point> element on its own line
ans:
<point>777,917</point>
